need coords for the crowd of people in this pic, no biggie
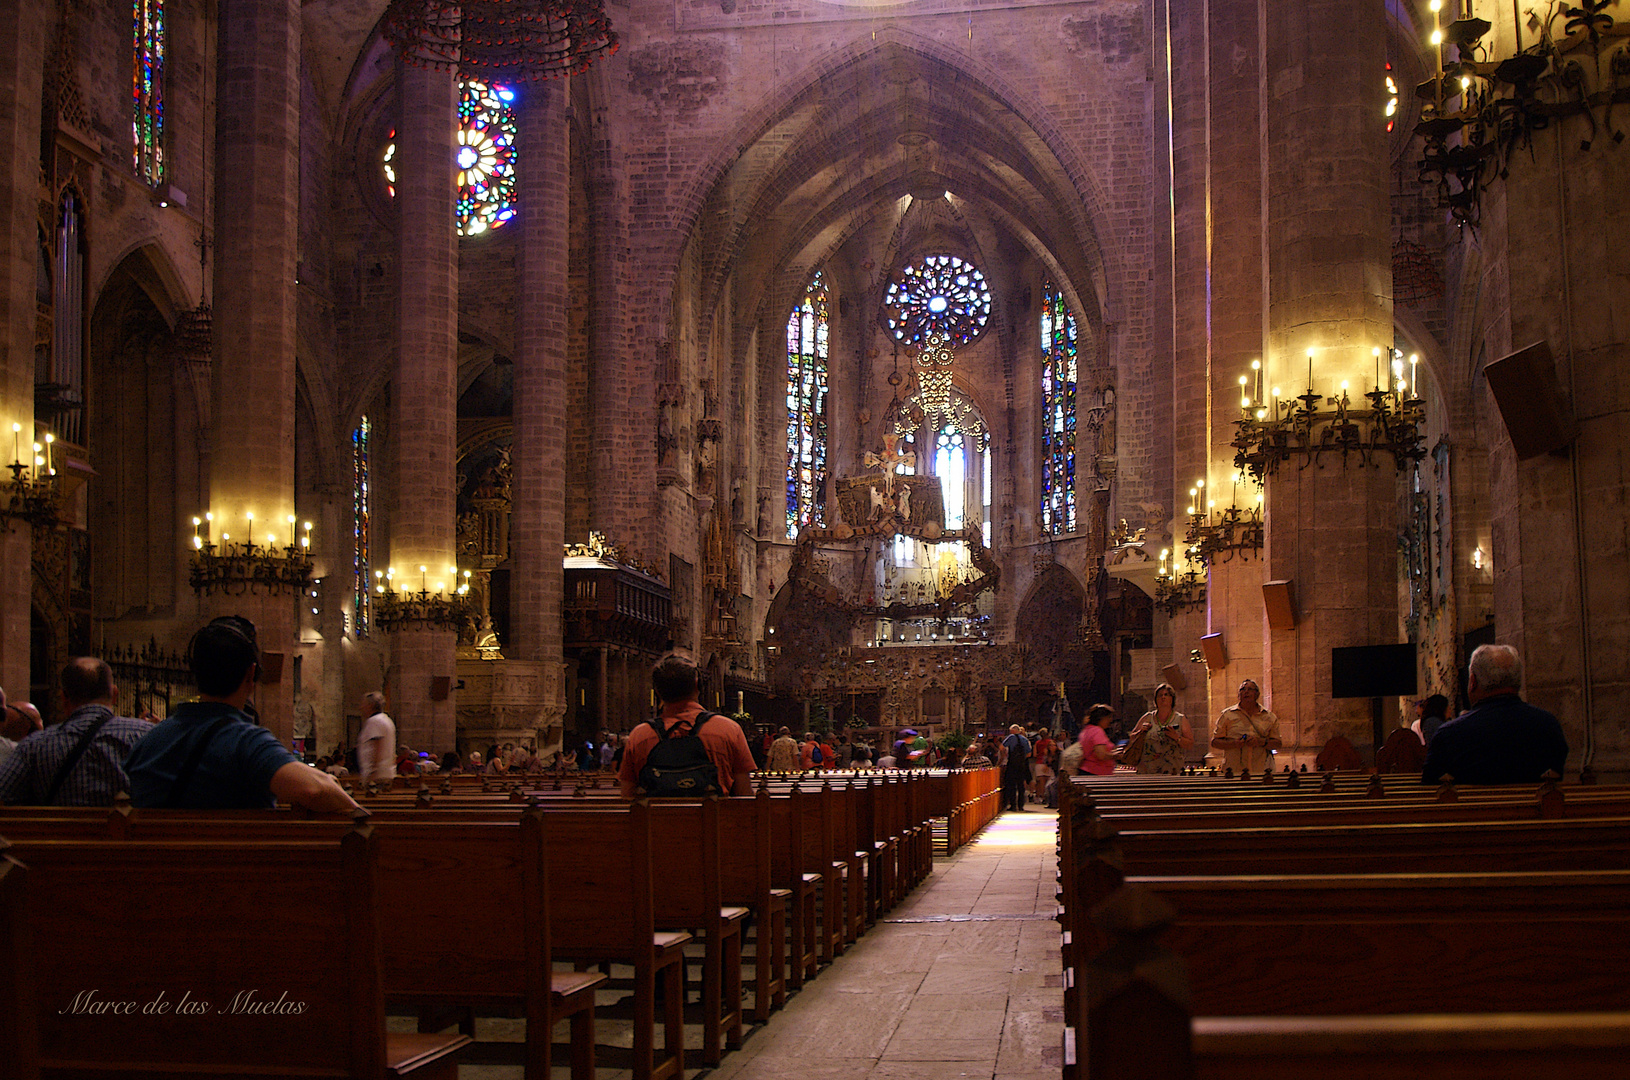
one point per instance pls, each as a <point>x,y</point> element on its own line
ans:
<point>212,752</point>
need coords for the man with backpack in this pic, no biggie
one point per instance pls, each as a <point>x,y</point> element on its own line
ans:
<point>1015,755</point>
<point>694,752</point>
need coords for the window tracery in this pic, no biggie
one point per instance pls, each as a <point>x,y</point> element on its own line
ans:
<point>485,157</point>
<point>943,295</point>
<point>361,512</point>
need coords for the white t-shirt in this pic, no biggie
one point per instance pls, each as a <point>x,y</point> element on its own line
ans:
<point>376,748</point>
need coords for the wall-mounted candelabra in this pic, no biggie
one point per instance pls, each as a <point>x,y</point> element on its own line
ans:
<point>1179,590</point>
<point>1215,534</point>
<point>1480,107</point>
<point>1273,429</point>
<point>446,608</point>
<point>239,567</point>
<point>34,491</point>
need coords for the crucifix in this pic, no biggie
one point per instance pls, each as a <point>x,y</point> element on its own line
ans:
<point>890,460</point>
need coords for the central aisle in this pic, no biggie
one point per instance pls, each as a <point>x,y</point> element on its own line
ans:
<point>960,980</point>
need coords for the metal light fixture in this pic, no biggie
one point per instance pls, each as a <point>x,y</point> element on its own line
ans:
<point>1274,430</point>
<point>1176,592</point>
<point>1214,534</point>
<point>422,609</point>
<point>501,40</point>
<point>1479,109</point>
<point>234,568</point>
<point>34,492</point>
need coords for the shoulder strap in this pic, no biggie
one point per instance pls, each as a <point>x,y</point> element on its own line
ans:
<point>190,766</point>
<point>72,759</point>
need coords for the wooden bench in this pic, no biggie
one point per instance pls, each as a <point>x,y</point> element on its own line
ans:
<point>131,939</point>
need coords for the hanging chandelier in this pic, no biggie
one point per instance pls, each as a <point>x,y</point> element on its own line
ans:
<point>501,40</point>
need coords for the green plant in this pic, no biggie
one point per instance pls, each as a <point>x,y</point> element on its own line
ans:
<point>953,740</point>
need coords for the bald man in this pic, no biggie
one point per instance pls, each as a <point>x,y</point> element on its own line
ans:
<point>79,762</point>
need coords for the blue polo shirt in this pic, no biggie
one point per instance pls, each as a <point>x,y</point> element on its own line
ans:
<point>235,772</point>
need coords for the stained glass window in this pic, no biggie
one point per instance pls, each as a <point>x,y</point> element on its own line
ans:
<point>1392,99</point>
<point>1058,375</point>
<point>147,106</point>
<point>484,156</point>
<point>943,295</point>
<point>360,515</point>
<point>806,409</point>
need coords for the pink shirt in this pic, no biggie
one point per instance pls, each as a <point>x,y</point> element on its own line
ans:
<point>1092,735</point>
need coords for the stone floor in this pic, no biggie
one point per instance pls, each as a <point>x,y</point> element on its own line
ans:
<point>960,980</point>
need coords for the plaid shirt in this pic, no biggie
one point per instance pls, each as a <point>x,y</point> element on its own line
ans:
<point>25,776</point>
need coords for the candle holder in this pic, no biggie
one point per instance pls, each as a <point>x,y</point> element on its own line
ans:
<point>1270,435</point>
<point>407,610</point>
<point>1174,593</point>
<point>33,494</point>
<point>1215,536</point>
<point>236,569</point>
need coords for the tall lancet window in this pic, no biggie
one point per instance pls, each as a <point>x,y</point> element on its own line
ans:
<point>806,409</point>
<point>147,85</point>
<point>361,512</point>
<point>1058,376</point>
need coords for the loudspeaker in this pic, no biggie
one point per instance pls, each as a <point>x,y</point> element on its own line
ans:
<point>1216,652</point>
<point>1172,674</point>
<point>271,668</point>
<point>1531,403</point>
<point>1279,600</point>
<point>440,687</point>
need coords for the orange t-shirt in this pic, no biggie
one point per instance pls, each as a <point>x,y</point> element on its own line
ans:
<point>721,736</point>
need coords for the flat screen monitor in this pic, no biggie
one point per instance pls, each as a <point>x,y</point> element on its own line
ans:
<point>1370,671</point>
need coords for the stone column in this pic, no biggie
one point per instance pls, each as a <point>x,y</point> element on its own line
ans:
<point>22,58</point>
<point>537,533</point>
<point>424,397</point>
<point>1236,322</point>
<point>1331,530</point>
<point>257,197</point>
<point>623,447</point>
<point>1561,595</point>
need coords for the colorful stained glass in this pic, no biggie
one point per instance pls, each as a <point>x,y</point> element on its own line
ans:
<point>484,156</point>
<point>147,82</point>
<point>806,409</point>
<point>1392,99</point>
<point>1058,379</point>
<point>360,515</point>
<point>942,295</point>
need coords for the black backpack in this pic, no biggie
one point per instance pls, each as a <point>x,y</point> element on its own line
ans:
<point>678,766</point>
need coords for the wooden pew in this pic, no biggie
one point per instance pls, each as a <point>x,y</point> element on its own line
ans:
<point>1138,1022</point>
<point>257,930</point>
<point>687,874</point>
<point>19,1038</point>
<point>432,874</point>
<point>601,910</point>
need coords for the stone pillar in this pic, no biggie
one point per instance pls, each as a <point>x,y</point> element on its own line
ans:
<point>1561,595</point>
<point>1331,530</point>
<point>22,58</point>
<point>623,449</point>
<point>257,196</point>
<point>424,398</point>
<point>1236,320</point>
<point>538,517</point>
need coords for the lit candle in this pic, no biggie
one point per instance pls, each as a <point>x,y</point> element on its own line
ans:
<point>16,442</point>
<point>50,465</point>
<point>1256,366</point>
<point>291,530</point>
<point>423,587</point>
<point>1276,403</point>
<point>1375,354</point>
<point>1414,379</point>
<point>305,541</point>
<point>196,522</point>
<point>1310,371</point>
